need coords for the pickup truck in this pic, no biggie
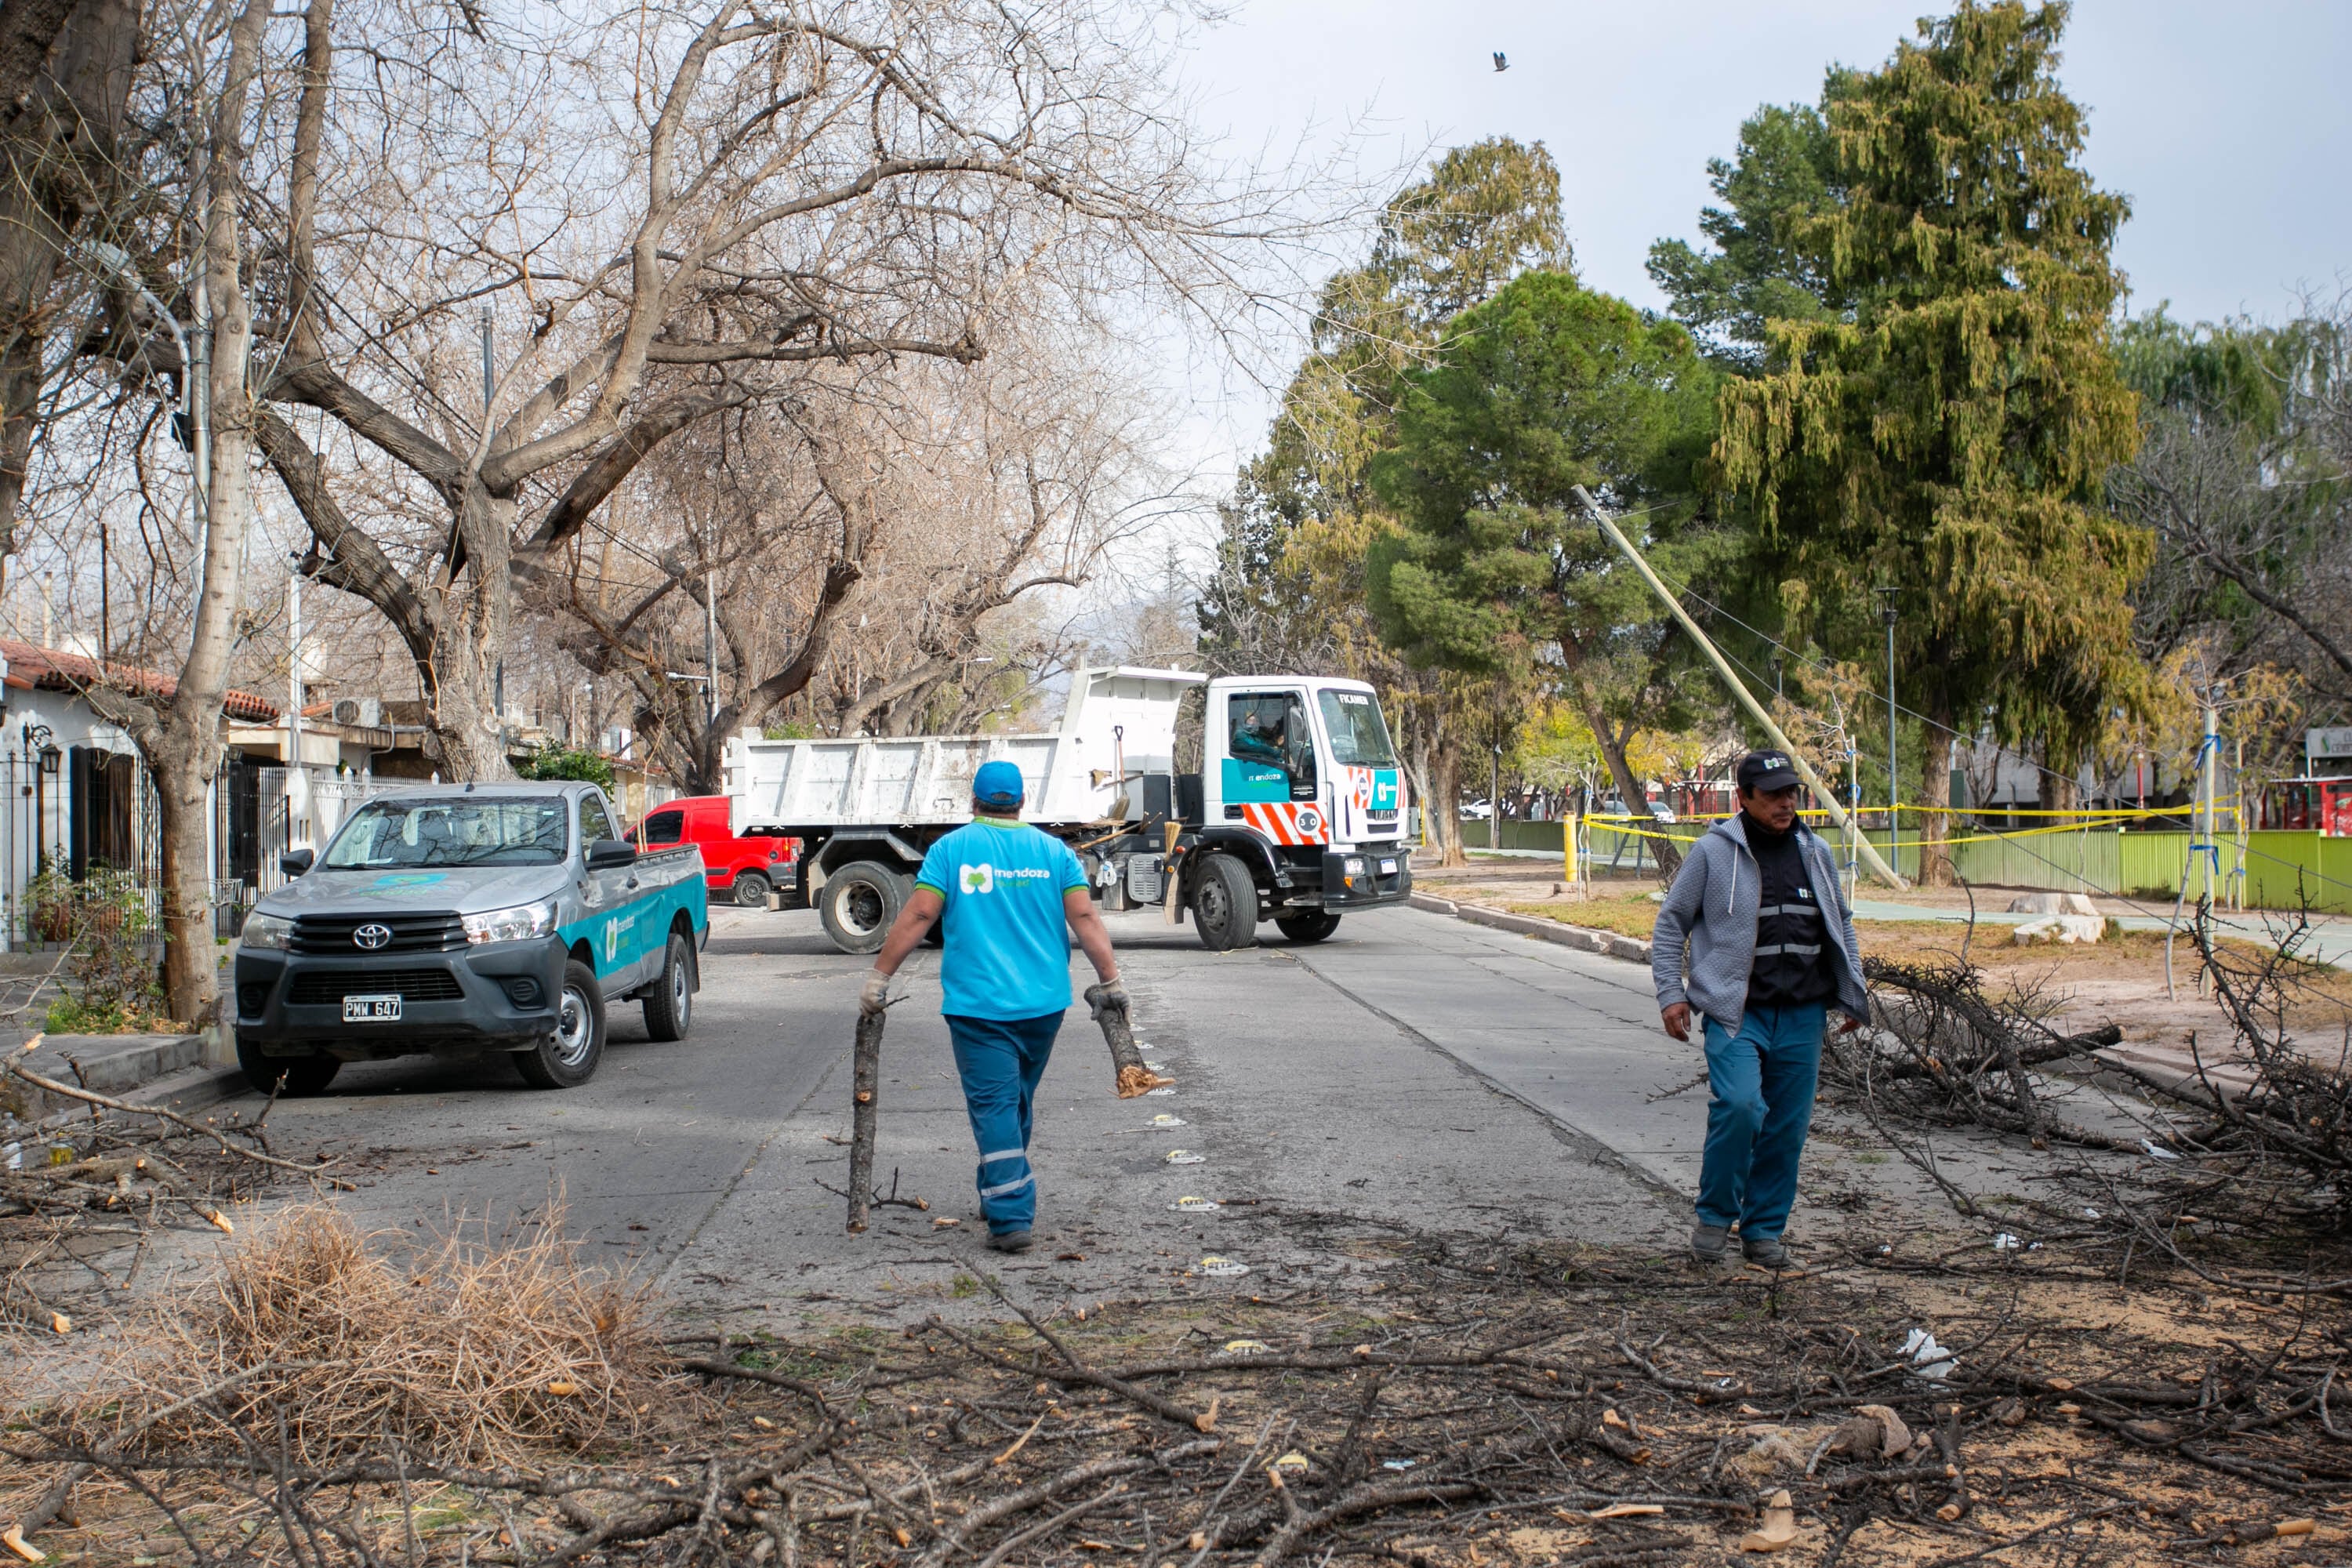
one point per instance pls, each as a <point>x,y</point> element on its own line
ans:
<point>465,920</point>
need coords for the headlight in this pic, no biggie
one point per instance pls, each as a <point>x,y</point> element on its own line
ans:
<point>265,931</point>
<point>1352,866</point>
<point>520,923</point>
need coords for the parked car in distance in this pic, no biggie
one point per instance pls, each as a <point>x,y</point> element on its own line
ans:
<point>744,870</point>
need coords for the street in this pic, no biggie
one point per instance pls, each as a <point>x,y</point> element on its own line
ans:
<point>1414,1070</point>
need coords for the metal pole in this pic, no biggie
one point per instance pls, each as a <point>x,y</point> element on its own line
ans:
<point>1495,801</point>
<point>1822,792</point>
<point>1894,795</point>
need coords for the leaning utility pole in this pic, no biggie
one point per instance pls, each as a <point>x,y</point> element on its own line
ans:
<point>1870,856</point>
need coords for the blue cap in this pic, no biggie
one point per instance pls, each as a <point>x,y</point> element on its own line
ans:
<point>998,786</point>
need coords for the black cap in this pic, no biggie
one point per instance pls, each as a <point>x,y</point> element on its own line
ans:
<point>1762,772</point>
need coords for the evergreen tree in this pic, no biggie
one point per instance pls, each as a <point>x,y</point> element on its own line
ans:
<point>1547,387</point>
<point>1289,588</point>
<point>1949,440</point>
<point>1758,273</point>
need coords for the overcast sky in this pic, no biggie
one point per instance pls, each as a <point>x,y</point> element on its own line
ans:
<point>2229,126</point>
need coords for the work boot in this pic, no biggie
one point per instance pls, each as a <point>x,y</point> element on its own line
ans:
<point>1765,1251</point>
<point>1707,1242</point>
<point>1009,1240</point>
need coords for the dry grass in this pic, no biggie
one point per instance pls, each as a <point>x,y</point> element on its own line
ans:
<point>476,1352</point>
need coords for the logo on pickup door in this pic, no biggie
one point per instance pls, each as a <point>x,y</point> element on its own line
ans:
<point>373,935</point>
<point>615,929</point>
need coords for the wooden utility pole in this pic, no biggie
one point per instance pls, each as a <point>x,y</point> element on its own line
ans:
<point>1878,866</point>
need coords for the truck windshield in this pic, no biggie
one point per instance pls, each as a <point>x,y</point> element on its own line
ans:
<point>487,830</point>
<point>1359,738</point>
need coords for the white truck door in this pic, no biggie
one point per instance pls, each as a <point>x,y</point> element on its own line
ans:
<point>1263,769</point>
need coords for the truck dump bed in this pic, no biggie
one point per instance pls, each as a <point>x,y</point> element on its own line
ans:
<point>1120,724</point>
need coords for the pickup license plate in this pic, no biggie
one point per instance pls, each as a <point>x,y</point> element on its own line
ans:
<point>1388,867</point>
<point>371,1009</point>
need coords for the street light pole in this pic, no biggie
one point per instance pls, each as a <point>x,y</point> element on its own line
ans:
<point>1887,613</point>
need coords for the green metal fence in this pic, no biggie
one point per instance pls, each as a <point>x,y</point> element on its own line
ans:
<point>2282,869</point>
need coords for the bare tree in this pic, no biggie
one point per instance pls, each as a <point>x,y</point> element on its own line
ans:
<point>769,189</point>
<point>65,68</point>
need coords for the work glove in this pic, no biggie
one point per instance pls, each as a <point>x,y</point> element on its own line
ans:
<point>875,994</point>
<point>1106,996</point>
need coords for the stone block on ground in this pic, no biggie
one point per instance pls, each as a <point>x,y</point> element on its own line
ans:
<point>2053,904</point>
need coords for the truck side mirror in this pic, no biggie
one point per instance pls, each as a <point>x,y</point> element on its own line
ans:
<point>294,862</point>
<point>608,853</point>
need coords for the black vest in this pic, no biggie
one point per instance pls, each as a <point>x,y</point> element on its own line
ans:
<point>1793,962</point>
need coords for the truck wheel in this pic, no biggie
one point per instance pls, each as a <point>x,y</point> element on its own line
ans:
<point>669,1005</point>
<point>568,1057</point>
<point>1225,905</point>
<point>1308,925</point>
<point>751,890</point>
<point>304,1075</point>
<point>859,902</point>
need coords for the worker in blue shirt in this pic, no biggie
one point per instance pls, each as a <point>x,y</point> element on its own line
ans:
<point>1014,896</point>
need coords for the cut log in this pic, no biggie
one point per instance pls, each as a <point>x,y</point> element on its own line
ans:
<point>1129,1077</point>
<point>866,1084</point>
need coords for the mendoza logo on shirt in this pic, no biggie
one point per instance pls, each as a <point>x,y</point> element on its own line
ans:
<point>981,878</point>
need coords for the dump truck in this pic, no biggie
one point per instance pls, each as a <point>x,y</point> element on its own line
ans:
<point>1240,799</point>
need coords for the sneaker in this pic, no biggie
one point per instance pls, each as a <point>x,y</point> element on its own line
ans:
<point>1707,1242</point>
<point>1009,1240</point>
<point>1765,1251</point>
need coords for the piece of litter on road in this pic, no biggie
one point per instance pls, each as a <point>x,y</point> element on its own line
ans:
<point>1292,1460</point>
<point>1247,1347</point>
<point>1779,1529</point>
<point>1166,1119</point>
<point>1150,1093</point>
<point>2090,1213</point>
<point>1217,1268</point>
<point>1629,1510</point>
<point>2005,1242</point>
<point>1193,1205</point>
<point>1155,1067</point>
<point>1186,1157</point>
<point>2155,1153</point>
<point>1928,1359</point>
<point>1398,1464</point>
<point>942,1223</point>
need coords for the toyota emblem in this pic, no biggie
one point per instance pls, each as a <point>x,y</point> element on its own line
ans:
<point>373,934</point>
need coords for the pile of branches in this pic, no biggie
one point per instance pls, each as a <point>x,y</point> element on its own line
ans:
<point>1530,1406</point>
<point>86,1193</point>
<point>2247,1152</point>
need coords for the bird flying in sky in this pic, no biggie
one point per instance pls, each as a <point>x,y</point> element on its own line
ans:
<point>1500,63</point>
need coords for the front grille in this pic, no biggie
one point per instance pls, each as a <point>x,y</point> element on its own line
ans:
<point>313,987</point>
<point>428,931</point>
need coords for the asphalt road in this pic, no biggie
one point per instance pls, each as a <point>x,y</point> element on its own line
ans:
<point>1415,1072</point>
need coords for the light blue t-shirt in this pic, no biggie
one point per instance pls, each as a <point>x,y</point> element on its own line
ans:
<point>1008,945</point>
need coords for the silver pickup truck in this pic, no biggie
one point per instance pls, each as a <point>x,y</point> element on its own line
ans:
<point>463,920</point>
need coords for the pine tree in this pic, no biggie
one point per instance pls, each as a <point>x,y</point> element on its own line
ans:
<point>1949,440</point>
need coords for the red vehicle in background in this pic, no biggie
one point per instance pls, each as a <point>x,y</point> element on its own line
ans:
<point>743,870</point>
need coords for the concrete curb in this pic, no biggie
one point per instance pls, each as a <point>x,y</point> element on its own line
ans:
<point>190,1089</point>
<point>1609,945</point>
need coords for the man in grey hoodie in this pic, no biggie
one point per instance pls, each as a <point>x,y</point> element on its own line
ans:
<point>1758,912</point>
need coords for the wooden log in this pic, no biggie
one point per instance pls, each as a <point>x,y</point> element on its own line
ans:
<point>1129,1077</point>
<point>865,1086</point>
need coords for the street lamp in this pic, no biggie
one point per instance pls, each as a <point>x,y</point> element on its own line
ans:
<point>1886,613</point>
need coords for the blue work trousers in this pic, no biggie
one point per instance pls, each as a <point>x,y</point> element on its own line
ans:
<point>999,1061</point>
<point>1761,1084</point>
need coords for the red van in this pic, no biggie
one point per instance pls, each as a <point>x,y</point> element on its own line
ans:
<point>743,870</point>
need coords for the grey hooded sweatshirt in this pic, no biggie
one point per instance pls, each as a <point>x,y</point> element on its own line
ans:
<point>1710,916</point>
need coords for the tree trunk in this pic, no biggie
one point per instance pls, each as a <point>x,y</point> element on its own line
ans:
<point>185,751</point>
<point>1665,851</point>
<point>1446,800</point>
<point>1936,802</point>
<point>1416,762</point>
